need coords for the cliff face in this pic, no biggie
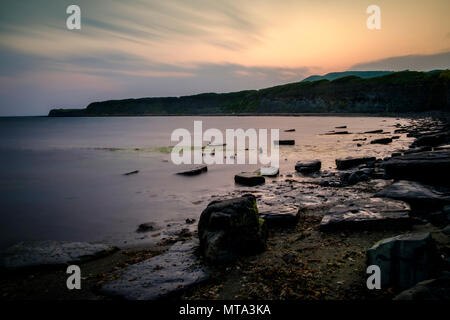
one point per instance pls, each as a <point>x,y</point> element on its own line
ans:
<point>396,92</point>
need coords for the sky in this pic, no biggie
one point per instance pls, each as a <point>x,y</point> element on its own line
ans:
<point>149,48</point>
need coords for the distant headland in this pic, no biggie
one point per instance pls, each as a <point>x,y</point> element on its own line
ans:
<point>343,92</point>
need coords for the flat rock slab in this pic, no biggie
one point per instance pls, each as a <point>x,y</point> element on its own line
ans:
<point>404,260</point>
<point>46,253</point>
<point>193,171</point>
<point>279,219</point>
<point>419,196</point>
<point>308,166</point>
<point>347,163</point>
<point>429,167</point>
<point>249,178</point>
<point>171,272</point>
<point>367,214</point>
<point>374,131</point>
<point>381,141</point>
<point>434,289</point>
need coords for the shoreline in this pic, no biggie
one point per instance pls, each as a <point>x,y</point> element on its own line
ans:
<point>301,262</point>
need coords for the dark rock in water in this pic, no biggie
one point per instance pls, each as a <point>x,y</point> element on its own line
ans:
<point>367,214</point>
<point>395,137</point>
<point>308,166</point>
<point>374,131</point>
<point>285,142</point>
<point>420,197</point>
<point>171,272</point>
<point>434,289</point>
<point>348,163</point>
<point>432,140</point>
<point>337,132</point>
<point>194,171</point>
<point>341,127</point>
<point>396,154</point>
<point>429,167</point>
<point>360,139</point>
<point>273,219</point>
<point>353,178</point>
<point>146,227</point>
<point>46,253</point>
<point>289,130</point>
<point>131,172</point>
<point>404,260</point>
<point>231,228</point>
<point>249,178</point>
<point>381,141</point>
<point>190,221</point>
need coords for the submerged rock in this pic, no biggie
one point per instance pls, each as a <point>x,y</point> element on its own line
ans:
<point>146,227</point>
<point>46,253</point>
<point>249,178</point>
<point>367,214</point>
<point>230,228</point>
<point>434,289</point>
<point>347,163</point>
<point>289,130</point>
<point>308,166</point>
<point>404,260</point>
<point>419,196</point>
<point>337,132</point>
<point>193,171</point>
<point>374,131</point>
<point>131,172</point>
<point>173,271</point>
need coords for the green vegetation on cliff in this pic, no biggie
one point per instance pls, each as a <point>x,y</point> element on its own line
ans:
<point>405,91</point>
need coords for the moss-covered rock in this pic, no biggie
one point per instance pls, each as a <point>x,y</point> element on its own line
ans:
<point>231,228</point>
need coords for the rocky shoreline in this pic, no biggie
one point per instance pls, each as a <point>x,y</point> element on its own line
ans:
<point>294,239</point>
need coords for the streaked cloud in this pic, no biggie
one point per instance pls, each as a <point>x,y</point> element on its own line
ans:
<point>141,48</point>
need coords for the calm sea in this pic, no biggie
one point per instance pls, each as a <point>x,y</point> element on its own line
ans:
<point>62,178</point>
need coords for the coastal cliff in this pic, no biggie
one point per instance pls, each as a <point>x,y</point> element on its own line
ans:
<point>406,91</point>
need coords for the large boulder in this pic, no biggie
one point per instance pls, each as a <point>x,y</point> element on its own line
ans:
<point>419,196</point>
<point>428,167</point>
<point>171,272</point>
<point>404,260</point>
<point>347,163</point>
<point>231,228</point>
<point>434,289</point>
<point>308,166</point>
<point>367,214</point>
